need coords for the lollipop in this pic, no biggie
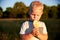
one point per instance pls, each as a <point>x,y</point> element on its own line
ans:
<point>35,24</point>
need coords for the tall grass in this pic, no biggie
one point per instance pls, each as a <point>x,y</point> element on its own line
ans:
<point>9,29</point>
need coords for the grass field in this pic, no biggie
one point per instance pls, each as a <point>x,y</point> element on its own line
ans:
<point>9,29</point>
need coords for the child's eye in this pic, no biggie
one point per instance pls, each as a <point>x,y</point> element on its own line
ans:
<point>32,14</point>
<point>37,15</point>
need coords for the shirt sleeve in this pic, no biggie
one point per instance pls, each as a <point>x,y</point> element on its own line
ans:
<point>23,28</point>
<point>44,28</point>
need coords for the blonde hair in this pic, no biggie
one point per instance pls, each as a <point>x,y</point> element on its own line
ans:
<point>37,4</point>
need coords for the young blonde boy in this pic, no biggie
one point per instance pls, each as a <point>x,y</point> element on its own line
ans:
<point>28,30</point>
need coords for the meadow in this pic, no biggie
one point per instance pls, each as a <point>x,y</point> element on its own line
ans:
<point>9,29</point>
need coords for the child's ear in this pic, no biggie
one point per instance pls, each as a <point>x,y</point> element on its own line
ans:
<point>41,12</point>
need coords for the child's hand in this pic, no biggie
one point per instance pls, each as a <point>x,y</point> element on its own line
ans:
<point>34,32</point>
<point>36,26</point>
<point>37,32</point>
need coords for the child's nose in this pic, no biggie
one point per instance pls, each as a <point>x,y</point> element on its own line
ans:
<point>35,16</point>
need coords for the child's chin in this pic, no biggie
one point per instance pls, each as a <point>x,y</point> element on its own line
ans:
<point>36,20</point>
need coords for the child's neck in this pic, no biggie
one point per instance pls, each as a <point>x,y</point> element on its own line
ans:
<point>30,20</point>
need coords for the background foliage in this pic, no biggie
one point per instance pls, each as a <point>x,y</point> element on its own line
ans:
<point>20,10</point>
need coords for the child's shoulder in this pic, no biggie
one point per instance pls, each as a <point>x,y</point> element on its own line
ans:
<point>26,22</point>
<point>41,22</point>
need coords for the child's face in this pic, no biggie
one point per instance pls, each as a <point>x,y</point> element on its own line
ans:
<point>36,13</point>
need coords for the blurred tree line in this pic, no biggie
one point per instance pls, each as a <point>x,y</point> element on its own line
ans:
<point>20,10</point>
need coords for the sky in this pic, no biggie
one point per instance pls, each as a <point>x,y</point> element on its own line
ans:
<point>10,3</point>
